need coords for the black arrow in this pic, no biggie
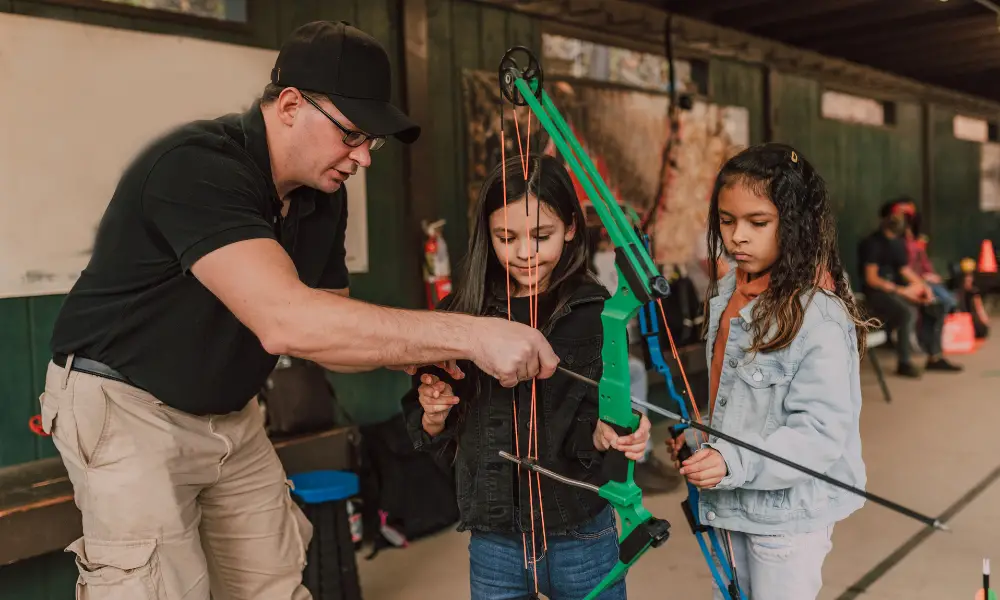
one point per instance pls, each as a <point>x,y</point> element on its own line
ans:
<point>937,524</point>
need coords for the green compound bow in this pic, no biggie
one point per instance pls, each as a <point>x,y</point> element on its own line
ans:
<point>639,282</point>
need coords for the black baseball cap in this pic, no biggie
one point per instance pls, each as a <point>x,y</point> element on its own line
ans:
<point>352,69</point>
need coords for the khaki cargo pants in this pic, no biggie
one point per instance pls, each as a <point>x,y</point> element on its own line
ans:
<point>175,506</point>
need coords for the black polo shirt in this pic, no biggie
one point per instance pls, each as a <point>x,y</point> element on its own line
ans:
<point>138,309</point>
<point>889,254</point>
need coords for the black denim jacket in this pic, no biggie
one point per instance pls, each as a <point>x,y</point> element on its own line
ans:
<point>491,496</point>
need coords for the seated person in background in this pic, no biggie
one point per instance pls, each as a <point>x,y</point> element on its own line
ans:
<point>916,247</point>
<point>895,294</point>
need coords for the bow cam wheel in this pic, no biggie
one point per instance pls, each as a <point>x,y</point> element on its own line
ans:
<point>510,72</point>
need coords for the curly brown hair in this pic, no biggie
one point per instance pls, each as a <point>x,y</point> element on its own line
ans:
<point>807,235</point>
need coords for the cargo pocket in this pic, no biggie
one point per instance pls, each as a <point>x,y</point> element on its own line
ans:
<point>121,570</point>
<point>302,527</point>
<point>49,408</point>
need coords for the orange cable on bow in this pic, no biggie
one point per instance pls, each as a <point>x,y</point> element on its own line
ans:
<point>533,321</point>
<point>534,299</point>
<point>673,349</point>
<point>513,397</point>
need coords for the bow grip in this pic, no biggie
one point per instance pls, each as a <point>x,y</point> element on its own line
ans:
<point>685,452</point>
<point>615,466</point>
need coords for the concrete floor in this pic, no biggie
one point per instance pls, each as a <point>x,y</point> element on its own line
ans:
<point>934,449</point>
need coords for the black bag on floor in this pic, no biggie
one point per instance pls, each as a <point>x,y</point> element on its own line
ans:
<point>297,398</point>
<point>409,491</point>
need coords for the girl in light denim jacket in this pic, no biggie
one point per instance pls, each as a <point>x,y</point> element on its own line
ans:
<point>783,343</point>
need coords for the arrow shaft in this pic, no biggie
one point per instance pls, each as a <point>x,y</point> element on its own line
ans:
<point>932,522</point>
<point>534,467</point>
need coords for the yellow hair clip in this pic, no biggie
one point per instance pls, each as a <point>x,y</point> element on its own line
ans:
<point>795,157</point>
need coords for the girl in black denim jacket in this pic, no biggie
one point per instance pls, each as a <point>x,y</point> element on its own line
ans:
<point>515,251</point>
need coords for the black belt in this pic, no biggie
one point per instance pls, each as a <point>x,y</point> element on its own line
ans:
<point>92,367</point>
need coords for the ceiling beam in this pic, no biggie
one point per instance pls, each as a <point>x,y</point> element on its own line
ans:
<point>934,14</point>
<point>703,8</point>
<point>928,56</point>
<point>853,21</point>
<point>914,50</point>
<point>988,85</point>
<point>960,68</point>
<point>940,32</point>
<point>781,11</point>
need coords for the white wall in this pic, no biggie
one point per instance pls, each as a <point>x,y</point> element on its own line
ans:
<point>77,102</point>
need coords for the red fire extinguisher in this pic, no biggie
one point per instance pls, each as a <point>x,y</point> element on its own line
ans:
<point>437,271</point>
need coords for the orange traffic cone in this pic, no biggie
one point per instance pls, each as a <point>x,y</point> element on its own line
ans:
<point>958,335</point>
<point>987,259</point>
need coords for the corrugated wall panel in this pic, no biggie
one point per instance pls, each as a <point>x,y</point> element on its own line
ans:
<point>734,83</point>
<point>863,166</point>
<point>958,226</point>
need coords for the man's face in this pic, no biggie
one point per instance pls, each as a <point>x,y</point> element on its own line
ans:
<point>318,155</point>
<point>895,224</point>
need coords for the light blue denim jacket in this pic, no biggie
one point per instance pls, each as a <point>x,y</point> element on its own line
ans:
<point>802,403</point>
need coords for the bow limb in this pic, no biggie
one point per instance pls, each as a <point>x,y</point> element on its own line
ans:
<point>707,537</point>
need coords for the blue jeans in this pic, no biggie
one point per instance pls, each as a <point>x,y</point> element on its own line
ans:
<point>574,565</point>
<point>944,296</point>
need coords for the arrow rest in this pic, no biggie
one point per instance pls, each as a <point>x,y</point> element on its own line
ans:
<point>510,72</point>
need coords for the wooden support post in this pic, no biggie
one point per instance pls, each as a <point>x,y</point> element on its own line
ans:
<point>927,162</point>
<point>419,167</point>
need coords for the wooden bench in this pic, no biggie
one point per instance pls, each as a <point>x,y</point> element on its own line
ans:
<point>38,515</point>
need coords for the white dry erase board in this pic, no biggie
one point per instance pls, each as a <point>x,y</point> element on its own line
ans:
<point>78,102</point>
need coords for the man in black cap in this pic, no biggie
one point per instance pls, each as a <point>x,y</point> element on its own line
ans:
<point>221,248</point>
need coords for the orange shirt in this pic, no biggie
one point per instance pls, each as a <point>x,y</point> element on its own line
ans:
<point>745,292</point>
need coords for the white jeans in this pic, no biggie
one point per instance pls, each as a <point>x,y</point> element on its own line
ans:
<point>778,567</point>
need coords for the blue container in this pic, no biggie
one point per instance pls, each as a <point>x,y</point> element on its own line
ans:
<point>331,572</point>
<point>317,487</point>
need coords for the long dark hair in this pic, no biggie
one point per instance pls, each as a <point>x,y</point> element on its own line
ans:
<point>807,235</point>
<point>484,274</point>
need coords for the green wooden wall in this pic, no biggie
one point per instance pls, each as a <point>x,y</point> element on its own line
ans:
<point>957,226</point>
<point>463,36</point>
<point>863,166</point>
<point>733,83</point>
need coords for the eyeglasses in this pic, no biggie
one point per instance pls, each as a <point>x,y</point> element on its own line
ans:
<point>352,138</point>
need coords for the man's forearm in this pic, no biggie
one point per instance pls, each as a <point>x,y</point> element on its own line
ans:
<point>350,334</point>
<point>347,368</point>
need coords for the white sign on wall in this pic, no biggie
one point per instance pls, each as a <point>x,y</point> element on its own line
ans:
<point>852,109</point>
<point>969,129</point>
<point>82,101</point>
<point>989,183</point>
